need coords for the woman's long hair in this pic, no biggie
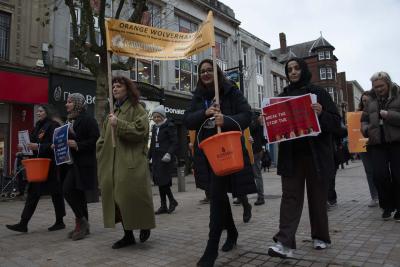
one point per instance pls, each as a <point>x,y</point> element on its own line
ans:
<point>361,104</point>
<point>131,88</point>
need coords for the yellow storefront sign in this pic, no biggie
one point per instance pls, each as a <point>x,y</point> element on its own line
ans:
<point>145,42</point>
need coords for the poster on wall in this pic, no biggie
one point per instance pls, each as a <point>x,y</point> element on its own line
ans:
<point>61,149</point>
<point>290,118</point>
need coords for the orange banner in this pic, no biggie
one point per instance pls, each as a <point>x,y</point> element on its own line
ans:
<point>357,143</point>
<point>141,41</point>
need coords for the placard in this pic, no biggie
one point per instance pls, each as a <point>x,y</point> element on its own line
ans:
<point>61,149</point>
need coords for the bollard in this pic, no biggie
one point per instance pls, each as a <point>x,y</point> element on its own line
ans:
<point>181,179</point>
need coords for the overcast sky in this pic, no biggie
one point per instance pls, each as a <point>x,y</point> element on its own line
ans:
<point>365,33</point>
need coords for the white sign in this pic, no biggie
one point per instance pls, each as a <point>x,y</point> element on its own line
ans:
<point>23,141</point>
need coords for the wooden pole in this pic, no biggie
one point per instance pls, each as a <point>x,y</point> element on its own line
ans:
<point>216,88</point>
<point>110,95</point>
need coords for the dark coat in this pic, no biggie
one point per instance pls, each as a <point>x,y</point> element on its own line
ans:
<point>257,133</point>
<point>233,104</point>
<point>167,142</point>
<point>370,119</point>
<point>321,146</point>
<point>43,135</point>
<point>85,133</point>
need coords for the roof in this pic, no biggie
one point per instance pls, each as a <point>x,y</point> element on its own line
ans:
<point>302,50</point>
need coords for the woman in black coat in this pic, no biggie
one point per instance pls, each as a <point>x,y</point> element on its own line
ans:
<point>307,160</point>
<point>234,105</point>
<point>163,146</point>
<point>81,174</point>
<point>41,140</point>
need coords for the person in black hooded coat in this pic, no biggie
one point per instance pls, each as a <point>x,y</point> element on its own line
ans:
<point>234,105</point>
<point>305,160</point>
<point>41,141</point>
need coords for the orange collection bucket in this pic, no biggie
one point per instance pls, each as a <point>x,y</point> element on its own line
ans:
<point>224,152</point>
<point>37,169</point>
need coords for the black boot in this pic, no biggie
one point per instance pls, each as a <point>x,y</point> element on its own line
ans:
<point>127,240</point>
<point>162,209</point>
<point>144,235</point>
<point>19,227</point>
<point>231,241</point>
<point>210,255</point>
<point>58,225</point>
<point>246,211</point>
<point>172,205</point>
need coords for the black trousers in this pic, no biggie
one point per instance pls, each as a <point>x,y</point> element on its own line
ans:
<point>332,196</point>
<point>385,159</point>
<point>293,199</point>
<point>220,211</point>
<point>75,197</point>
<point>31,203</point>
<point>165,190</point>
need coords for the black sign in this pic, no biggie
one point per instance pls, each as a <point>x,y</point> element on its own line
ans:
<point>61,86</point>
<point>175,107</point>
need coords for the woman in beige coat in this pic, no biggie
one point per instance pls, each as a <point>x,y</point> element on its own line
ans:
<point>123,171</point>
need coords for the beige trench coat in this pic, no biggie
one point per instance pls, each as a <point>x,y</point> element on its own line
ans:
<point>123,171</point>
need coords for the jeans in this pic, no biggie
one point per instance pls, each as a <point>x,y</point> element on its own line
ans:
<point>369,171</point>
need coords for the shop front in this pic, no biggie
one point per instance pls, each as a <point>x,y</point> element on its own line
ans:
<point>20,92</point>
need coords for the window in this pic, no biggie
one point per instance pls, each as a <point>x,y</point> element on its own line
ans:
<point>329,73</point>
<point>333,93</point>
<point>74,61</point>
<point>282,84</point>
<point>220,51</point>
<point>260,93</point>
<point>275,84</point>
<point>327,54</point>
<point>5,25</point>
<point>259,59</point>
<point>155,15</point>
<point>245,55</point>
<point>322,73</point>
<point>321,55</point>
<point>186,69</point>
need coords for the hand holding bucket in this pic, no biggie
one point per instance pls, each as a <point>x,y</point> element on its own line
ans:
<point>37,169</point>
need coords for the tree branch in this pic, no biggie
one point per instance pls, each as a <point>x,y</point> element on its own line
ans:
<point>120,6</point>
<point>140,6</point>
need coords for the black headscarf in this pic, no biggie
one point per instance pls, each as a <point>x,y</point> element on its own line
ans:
<point>305,77</point>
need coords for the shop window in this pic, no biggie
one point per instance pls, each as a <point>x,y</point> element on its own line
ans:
<point>322,73</point>
<point>5,26</point>
<point>259,59</point>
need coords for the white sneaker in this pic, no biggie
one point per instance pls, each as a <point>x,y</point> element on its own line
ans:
<point>319,244</point>
<point>279,250</point>
<point>373,203</point>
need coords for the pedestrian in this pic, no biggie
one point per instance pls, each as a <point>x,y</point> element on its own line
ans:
<point>234,105</point>
<point>266,159</point>
<point>124,175</point>
<point>258,141</point>
<point>306,160</point>
<point>163,146</point>
<point>366,159</point>
<point>41,141</point>
<point>79,175</point>
<point>380,122</point>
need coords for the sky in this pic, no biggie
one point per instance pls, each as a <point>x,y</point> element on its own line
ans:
<point>365,33</point>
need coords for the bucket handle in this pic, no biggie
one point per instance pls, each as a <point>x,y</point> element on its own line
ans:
<point>213,118</point>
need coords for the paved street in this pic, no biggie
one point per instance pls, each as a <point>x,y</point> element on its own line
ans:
<point>359,236</point>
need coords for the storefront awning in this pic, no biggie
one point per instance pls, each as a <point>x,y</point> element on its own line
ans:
<point>23,88</point>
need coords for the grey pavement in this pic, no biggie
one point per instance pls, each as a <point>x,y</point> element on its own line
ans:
<point>359,236</point>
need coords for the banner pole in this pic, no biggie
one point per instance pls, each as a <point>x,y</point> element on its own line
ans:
<point>216,88</point>
<point>110,95</point>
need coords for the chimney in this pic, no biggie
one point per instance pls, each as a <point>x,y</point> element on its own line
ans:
<point>282,40</point>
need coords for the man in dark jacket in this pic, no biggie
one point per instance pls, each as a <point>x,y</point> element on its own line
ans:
<point>258,140</point>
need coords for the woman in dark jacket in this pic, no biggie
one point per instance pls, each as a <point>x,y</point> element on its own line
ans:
<point>81,174</point>
<point>163,146</point>
<point>42,138</point>
<point>305,160</point>
<point>234,105</point>
<point>380,122</point>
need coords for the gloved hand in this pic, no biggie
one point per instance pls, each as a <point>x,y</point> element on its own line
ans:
<point>166,158</point>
